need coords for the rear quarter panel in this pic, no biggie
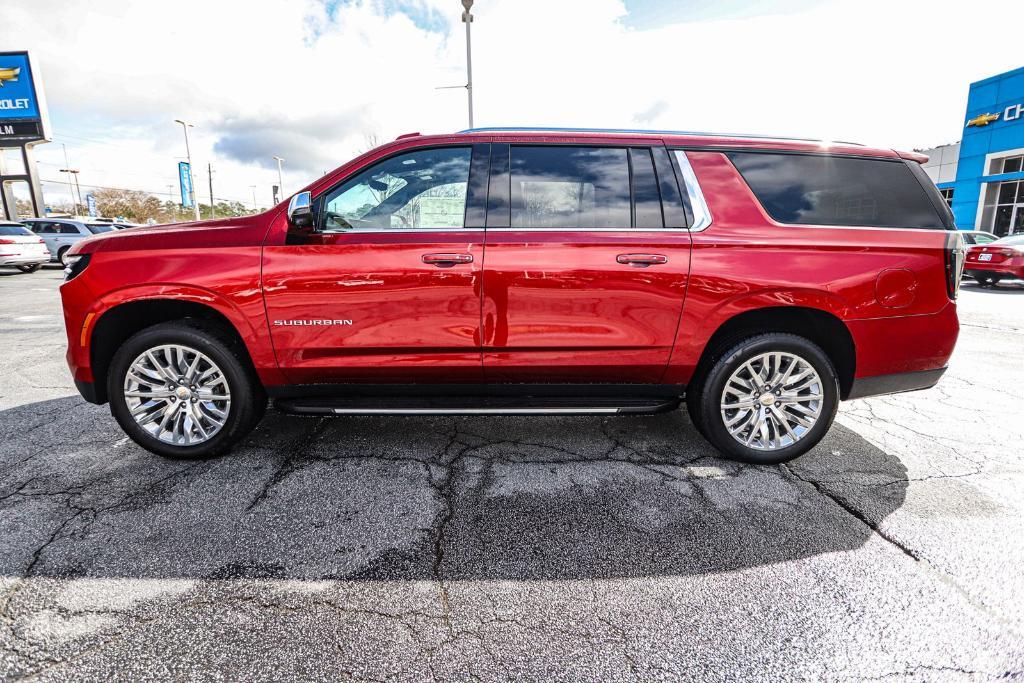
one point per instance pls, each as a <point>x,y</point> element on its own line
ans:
<point>863,276</point>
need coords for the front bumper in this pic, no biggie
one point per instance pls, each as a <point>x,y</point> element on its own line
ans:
<point>895,383</point>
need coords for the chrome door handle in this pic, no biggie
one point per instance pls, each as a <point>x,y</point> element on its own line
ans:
<point>447,260</point>
<point>641,260</point>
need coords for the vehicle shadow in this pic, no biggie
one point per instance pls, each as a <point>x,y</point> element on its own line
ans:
<point>376,498</point>
<point>1003,287</point>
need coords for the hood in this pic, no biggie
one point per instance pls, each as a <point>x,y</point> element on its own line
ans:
<point>212,234</point>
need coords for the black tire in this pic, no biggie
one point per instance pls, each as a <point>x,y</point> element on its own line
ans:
<point>248,399</point>
<point>987,280</point>
<point>61,253</point>
<point>29,269</point>
<point>704,399</point>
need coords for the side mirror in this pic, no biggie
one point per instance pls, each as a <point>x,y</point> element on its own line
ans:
<point>300,210</point>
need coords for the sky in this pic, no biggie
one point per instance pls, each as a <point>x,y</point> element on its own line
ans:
<point>318,81</point>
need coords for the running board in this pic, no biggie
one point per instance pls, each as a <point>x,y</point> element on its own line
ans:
<point>473,406</point>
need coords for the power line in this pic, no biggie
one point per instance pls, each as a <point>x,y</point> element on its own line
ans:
<point>130,189</point>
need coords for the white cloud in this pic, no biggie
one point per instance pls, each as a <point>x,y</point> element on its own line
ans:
<point>313,83</point>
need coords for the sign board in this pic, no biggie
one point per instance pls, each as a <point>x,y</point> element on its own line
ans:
<point>90,202</point>
<point>185,179</point>
<point>23,116</point>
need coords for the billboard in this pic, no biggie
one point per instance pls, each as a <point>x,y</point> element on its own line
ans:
<point>23,117</point>
<point>185,180</point>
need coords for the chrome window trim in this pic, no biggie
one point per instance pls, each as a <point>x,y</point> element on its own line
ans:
<point>701,213</point>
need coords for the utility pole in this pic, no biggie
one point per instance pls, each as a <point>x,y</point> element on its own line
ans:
<point>255,209</point>
<point>191,179</point>
<point>467,19</point>
<point>280,179</point>
<point>209,173</point>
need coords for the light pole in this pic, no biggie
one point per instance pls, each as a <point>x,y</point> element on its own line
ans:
<point>467,19</point>
<point>255,209</point>
<point>78,190</point>
<point>280,179</point>
<point>71,190</point>
<point>191,180</point>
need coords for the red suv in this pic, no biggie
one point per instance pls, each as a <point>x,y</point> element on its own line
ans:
<point>533,272</point>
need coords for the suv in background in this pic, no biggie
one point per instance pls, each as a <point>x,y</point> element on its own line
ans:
<point>60,233</point>
<point>534,272</point>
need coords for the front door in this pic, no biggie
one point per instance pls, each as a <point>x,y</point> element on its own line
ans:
<point>387,288</point>
<point>583,282</point>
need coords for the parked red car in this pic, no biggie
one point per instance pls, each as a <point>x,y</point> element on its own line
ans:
<point>995,261</point>
<point>533,272</point>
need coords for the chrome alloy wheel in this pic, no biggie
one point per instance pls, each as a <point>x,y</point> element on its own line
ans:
<point>177,394</point>
<point>772,401</point>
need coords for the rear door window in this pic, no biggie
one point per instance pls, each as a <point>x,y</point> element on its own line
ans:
<point>570,187</point>
<point>817,189</point>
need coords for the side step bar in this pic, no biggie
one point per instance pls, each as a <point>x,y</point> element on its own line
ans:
<point>471,406</point>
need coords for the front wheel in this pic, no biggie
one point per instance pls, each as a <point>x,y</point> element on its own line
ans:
<point>182,390</point>
<point>767,399</point>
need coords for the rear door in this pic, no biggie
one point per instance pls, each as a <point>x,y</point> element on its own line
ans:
<point>387,288</point>
<point>587,257</point>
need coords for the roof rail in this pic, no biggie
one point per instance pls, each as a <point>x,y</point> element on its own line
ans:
<point>408,135</point>
<point>553,129</point>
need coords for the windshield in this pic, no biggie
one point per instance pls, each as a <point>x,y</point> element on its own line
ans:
<point>8,230</point>
<point>97,228</point>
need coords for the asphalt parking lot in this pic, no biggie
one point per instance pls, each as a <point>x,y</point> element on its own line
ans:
<point>499,548</point>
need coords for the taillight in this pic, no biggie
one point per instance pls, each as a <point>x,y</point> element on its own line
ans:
<point>3,241</point>
<point>954,257</point>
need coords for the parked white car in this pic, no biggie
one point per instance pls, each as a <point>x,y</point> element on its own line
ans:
<point>60,233</point>
<point>20,249</point>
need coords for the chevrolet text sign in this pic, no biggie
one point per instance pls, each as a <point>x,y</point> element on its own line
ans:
<point>22,107</point>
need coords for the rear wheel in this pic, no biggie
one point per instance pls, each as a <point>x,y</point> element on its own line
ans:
<point>766,399</point>
<point>987,280</point>
<point>62,254</point>
<point>29,269</point>
<point>182,391</point>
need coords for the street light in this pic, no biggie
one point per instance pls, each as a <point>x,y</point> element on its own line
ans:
<point>255,209</point>
<point>191,180</point>
<point>280,179</point>
<point>78,202</point>
<point>467,19</point>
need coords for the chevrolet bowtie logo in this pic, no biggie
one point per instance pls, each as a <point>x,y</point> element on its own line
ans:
<point>983,120</point>
<point>8,74</point>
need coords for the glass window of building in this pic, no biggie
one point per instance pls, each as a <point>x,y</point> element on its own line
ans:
<point>1003,212</point>
<point>947,194</point>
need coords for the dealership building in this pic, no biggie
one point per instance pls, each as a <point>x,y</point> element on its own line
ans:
<point>982,176</point>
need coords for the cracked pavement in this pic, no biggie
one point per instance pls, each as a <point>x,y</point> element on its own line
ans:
<point>512,548</point>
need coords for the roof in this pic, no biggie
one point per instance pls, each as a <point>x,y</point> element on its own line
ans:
<point>685,138</point>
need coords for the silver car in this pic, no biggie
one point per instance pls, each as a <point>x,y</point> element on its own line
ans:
<point>60,233</point>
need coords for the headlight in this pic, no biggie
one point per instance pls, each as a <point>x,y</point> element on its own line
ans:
<point>75,265</point>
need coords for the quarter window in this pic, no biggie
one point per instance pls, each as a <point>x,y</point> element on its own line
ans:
<point>817,189</point>
<point>570,187</point>
<point>425,189</point>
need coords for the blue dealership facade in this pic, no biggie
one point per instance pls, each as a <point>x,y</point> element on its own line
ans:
<point>982,176</point>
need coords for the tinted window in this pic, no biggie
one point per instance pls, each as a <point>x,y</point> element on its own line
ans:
<point>982,238</point>
<point>570,187</point>
<point>826,190</point>
<point>97,228</point>
<point>421,189</point>
<point>11,230</point>
<point>67,229</point>
<point>646,199</point>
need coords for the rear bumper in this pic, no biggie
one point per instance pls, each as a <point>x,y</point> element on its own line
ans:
<point>24,259</point>
<point>989,269</point>
<point>895,383</point>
